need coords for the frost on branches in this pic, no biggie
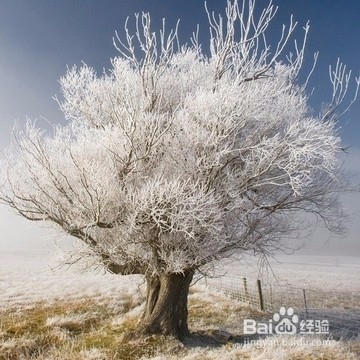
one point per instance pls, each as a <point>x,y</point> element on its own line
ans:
<point>178,156</point>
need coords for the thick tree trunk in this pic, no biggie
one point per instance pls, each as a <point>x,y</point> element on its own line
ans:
<point>166,305</point>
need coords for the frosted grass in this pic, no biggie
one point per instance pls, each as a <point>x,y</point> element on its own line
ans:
<point>27,277</point>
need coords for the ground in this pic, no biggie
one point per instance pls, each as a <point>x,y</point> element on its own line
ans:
<point>65,314</point>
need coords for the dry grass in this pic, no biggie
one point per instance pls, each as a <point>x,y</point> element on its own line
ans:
<point>71,329</point>
<point>96,330</point>
<point>212,311</point>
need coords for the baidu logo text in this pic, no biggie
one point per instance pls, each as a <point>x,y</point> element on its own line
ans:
<point>285,322</point>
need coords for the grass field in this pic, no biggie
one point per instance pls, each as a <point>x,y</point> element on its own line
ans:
<point>63,315</point>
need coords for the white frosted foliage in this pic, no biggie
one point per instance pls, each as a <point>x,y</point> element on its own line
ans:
<point>177,156</point>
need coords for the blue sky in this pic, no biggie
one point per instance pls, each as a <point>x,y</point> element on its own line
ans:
<point>39,38</point>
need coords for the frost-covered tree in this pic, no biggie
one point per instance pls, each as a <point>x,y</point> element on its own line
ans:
<point>180,156</point>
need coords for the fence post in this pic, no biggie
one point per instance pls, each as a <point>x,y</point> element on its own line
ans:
<point>261,300</point>
<point>306,310</point>
<point>246,292</point>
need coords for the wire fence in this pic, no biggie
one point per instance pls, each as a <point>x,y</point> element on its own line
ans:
<point>340,309</point>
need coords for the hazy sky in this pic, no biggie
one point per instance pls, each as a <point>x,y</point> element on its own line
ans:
<point>40,38</point>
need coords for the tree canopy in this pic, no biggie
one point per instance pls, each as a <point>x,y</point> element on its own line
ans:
<point>174,157</point>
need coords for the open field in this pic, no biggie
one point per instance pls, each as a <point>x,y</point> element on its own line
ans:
<point>325,282</point>
<point>48,314</point>
<point>323,288</point>
<point>27,276</point>
<point>333,273</point>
